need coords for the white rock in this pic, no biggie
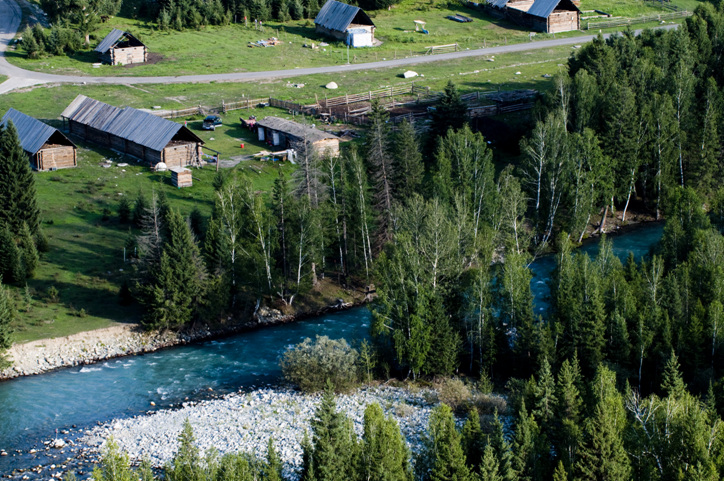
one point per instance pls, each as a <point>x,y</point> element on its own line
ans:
<point>332,85</point>
<point>409,74</point>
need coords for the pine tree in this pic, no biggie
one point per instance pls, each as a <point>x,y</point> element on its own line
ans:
<point>525,446</point>
<point>335,445</point>
<point>450,113</point>
<point>672,383</point>
<point>472,440</point>
<point>114,464</point>
<point>125,210</point>
<point>444,448</point>
<point>489,469</point>
<point>407,170</point>
<point>384,453</point>
<point>11,265</point>
<point>186,463</point>
<point>560,473</point>
<point>7,316</point>
<point>380,165</point>
<point>502,450</point>
<point>545,396</point>
<point>28,253</point>
<point>273,467</point>
<point>603,456</point>
<point>140,207</point>
<point>568,433</point>
<point>18,201</point>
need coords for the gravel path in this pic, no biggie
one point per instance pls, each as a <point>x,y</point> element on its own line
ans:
<point>243,422</point>
<point>10,19</point>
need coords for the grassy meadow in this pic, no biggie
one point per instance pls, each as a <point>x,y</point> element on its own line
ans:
<point>225,49</point>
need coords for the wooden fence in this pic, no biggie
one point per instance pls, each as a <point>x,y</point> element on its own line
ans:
<point>620,22</point>
<point>369,96</point>
<point>243,104</point>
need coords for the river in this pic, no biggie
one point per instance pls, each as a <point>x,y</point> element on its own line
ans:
<point>33,408</point>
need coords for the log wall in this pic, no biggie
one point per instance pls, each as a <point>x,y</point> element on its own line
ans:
<point>51,157</point>
<point>125,56</point>
<point>563,21</point>
<point>180,155</point>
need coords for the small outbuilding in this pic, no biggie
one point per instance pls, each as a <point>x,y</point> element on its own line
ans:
<point>549,16</point>
<point>47,147</point>
<point>121,48</point>
<point>347,23</point>
<point>133,132</point>
<point>181,177</point>
<point>288,134</point>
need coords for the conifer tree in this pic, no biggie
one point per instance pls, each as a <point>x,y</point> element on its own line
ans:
<point>545,396</point>
<point>334,454</point>
<point>114,464</point>
<point>450,113</point>
<point>444,448</point>
<point>384,453</point>
<point>525,446</point>
<point>502,450</point>
<point>7,315</point>
<point>560,473</point>
<point>603,456</point>
<point>18,201</point>
<point>567,435</point>
<point>186,463</point>
<point>489,469</point>
<point>381,169</point>
<point>28,253</point>
<point>408,170</point>
<point>11,265</point>
<point>472,440</point>
<point>273,467</point>
<point>672,383</point>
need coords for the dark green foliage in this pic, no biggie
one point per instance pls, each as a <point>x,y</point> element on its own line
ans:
<point>114,464</point>
<point>125,296</point>
<point>335,450</point>
<point>186,464</point>
<point>125,210</point>
<point>11,265</point>
<point>472,439</point>
<point>273,468</point>
<point>139,208</point>
<point>450,113</point>
<point>18,199</point>
<point>28,252</point>
<point>408,169</point>
<point>444,449</point>
<point>176,284</point>
<point>7,316</point>
<point>383,451</point>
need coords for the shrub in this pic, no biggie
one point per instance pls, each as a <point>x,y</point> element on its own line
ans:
<point>310,364</point>
<point>53,294</point>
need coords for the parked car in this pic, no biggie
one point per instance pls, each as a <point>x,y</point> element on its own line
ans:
<point>210,122</point>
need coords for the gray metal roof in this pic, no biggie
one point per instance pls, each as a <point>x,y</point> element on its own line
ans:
<point>110,40</point>
<point>336,15</point>
<point>543,8</point>
<point>32,132</point>
<point>128,123</point>
<point>294,129</point>
<point>497,3</point>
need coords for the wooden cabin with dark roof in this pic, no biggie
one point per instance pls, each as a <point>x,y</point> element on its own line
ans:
<point>288,134</point>
<point>549,16</point>
<point>347,23</point>
<point>47,147</point>
<point>121,48</point>
<point>133,132</point>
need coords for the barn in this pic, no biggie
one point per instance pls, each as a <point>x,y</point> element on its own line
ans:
<point>288,134</point>
<point>133,132</point>
<point>549,16</point>
<point>121,48</point>
<point>47,148</point>
<point>347,23</point>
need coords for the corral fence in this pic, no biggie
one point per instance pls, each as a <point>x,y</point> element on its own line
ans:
<point>623,21</point>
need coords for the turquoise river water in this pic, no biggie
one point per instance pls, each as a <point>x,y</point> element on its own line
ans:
<point>33,409</point>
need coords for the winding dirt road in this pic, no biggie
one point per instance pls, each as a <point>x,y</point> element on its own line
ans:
<point>10,16</point>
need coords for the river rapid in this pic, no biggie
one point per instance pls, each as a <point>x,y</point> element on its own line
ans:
<point>68,403</point>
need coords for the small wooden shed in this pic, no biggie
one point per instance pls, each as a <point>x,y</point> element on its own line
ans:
<point>181,177</point>
<point>346,22</point>
<point>121,48</point>
<point>288,134</point>
<point>47,147</point>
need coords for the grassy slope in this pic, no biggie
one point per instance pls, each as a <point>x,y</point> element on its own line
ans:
<point>224,49</point>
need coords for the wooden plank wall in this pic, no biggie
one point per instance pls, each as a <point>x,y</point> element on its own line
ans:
<point>51,158</point>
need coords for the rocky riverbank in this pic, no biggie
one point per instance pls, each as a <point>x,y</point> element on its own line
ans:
<point>45,355</point>
<point>244,422</point>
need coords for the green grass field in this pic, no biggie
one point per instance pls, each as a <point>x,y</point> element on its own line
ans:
<point>79,214</point>
<point>225,49</point>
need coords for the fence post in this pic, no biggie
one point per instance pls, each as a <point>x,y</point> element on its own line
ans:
<point>223,106</point>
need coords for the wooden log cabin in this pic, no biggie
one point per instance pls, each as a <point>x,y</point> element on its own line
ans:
<point>549,16</point>
<point>288,134</point>
<point>133,132</point>
<point>121,48</point>
<point>347,23</point>
<point>47,147</point>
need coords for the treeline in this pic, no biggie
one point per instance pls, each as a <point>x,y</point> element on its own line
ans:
<point>563,427</point>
